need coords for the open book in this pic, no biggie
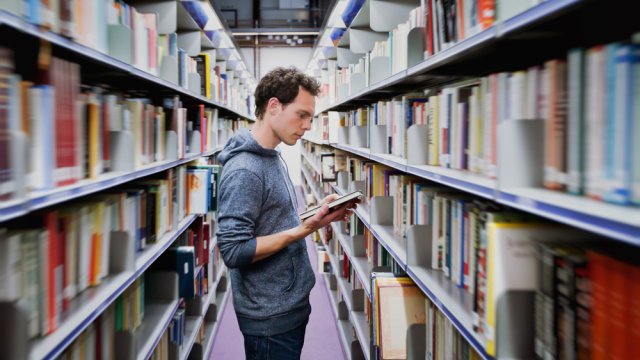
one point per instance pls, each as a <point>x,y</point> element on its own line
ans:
<point>334,205</point>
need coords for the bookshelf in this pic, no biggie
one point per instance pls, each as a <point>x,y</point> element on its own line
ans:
<point>157,319</point>
<point>92,302</point>
<point>353,329</point>
<point>522,37</point>
<point>119,68</point>
<point>610,220</point>
<point>86,53</point>
<point>41,199</point>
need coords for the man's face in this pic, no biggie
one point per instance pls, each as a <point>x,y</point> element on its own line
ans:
<point>294,119</point>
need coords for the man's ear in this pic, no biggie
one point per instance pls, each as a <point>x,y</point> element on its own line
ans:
<point>274,106</point>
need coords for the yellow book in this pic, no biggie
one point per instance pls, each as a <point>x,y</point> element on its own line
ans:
<point>512,268</point>
<point>207,74</point>
<point>93,124</point>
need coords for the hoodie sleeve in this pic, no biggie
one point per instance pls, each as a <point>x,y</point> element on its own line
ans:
<point>240,199</point>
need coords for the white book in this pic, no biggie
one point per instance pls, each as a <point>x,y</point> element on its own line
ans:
<point>10,266</point>
<point>106,239</point>
<point>620,184</point>
<point>576,135</point>
<point>594,126</point>
<point>136,111</point>
<point>43,290</point>
<point>43,151</point>
<point>446,232</point>
<point>635,124</point>
<point>31,281</point>
<point>71,252</point>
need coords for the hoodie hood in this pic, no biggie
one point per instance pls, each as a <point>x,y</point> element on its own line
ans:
<point>243,141</point>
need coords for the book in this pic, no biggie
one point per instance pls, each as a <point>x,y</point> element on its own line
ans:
<point>334,205</point>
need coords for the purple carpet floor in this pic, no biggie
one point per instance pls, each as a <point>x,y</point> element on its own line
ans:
<point>321,340</point>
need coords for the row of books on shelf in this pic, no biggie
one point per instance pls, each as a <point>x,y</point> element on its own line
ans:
<point>396,304</point>
<point>53,132</point>
<point>52,256</point>
<point>477,244</point>
<point>181,278</point>
<point>126,314</point>
<point>135,36</point>
<point>440,25</point>
<point>583,99</point>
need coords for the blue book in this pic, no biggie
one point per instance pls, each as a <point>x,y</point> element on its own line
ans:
<point>185,266</point>
<point>620,61</point>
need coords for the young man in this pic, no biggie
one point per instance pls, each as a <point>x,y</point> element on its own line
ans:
<point>260,236</point>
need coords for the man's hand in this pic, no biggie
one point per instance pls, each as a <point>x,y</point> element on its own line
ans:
<point>324,217</point>
<point>328,199</point>
<point>270,244</point>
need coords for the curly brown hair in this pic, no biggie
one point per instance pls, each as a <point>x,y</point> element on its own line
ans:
<point>283,84</point>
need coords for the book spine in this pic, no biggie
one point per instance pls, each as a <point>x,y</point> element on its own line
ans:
<point>576,149</point>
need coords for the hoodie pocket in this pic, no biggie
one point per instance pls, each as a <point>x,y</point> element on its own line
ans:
<point>293,275</point>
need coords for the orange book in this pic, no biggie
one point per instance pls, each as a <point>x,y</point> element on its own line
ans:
<point>486,12</point>
<point>555,125</point>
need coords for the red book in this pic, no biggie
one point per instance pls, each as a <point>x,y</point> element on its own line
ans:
<point>345,266</point>
<point>633,274</point>
<point>199,230</point>
<point>619,301</point>
<point>203,127</point>
<point>206,243</point>
<point>600,276</point>
<point>64,77</point>
<point>63,228</point>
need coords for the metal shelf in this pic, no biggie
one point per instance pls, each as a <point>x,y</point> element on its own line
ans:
<point>362,327</point>
<point>211,329</point>
<point>191,328</point>
<point>157,317</point>
<point>311,162</point>
<point>317,142</point>
<point>17,23</point>
<point>615,221</point>
<point>452,301</point>
<point>341,325</point>
<point>87,306</point>
<point>315,192</point>
<point>40,199</point>
<point>360,264</point>
<point>464,51</point>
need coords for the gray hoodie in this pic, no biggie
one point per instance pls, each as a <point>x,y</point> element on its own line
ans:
<point>256,198</point>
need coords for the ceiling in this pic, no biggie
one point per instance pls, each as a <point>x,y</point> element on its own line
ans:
<point>274,23</point>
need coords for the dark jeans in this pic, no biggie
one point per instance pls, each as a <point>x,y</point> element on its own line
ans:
<point>287,346</point>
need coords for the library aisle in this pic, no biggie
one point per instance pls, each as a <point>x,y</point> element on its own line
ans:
<point>321,340</point>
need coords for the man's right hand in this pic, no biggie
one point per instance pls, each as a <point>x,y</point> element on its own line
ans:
<point>324,217</point>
